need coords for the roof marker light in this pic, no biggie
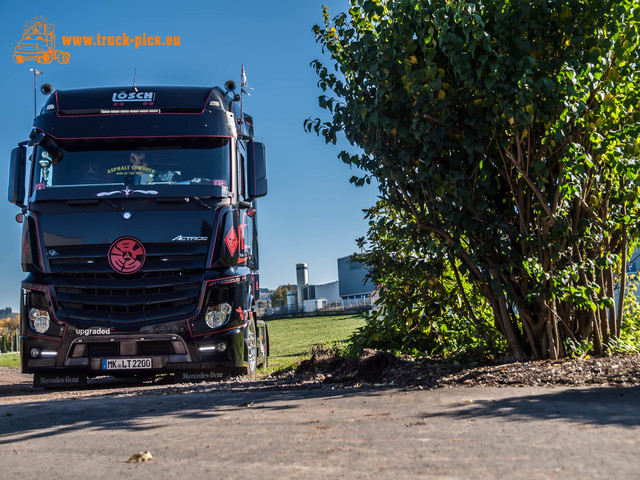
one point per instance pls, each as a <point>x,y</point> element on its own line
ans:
<point>142,110</point>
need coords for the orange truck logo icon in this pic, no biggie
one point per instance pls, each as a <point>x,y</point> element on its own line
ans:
<point>39,43</point>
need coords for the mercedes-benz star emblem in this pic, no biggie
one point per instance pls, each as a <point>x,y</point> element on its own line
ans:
<point>90,170</point>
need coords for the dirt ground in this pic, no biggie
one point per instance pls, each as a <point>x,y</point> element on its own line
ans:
<point>373,369</point>
<point>381,368</point>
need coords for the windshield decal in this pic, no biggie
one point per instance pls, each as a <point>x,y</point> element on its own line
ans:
<point>127,191</point>
<point>134,169</point>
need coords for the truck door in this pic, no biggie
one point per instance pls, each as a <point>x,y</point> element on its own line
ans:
<point>246,223</point>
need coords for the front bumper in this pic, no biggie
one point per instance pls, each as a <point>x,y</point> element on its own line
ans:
<point>173,345</point>
<point>94,355</point>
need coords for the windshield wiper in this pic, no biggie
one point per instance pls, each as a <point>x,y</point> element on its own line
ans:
<point>198,200</point>
<point>95,201</point>
<point>113,204</point>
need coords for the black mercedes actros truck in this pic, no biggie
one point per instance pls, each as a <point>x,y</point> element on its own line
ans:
<point>140,235</point>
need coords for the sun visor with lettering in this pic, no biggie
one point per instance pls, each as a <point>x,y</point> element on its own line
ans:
<point>167,99</point>
<point>140,112</point>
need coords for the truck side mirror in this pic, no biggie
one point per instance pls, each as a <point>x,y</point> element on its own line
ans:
<point>257,169</point>
<point>17,169</point>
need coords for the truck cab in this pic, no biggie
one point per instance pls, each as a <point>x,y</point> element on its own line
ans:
<point>140,241</point>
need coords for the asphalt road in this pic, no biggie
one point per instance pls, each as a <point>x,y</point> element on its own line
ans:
<point>296,432</point>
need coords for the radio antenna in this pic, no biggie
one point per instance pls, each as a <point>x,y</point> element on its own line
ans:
<point>36,73</point>
<point>243,79</point>
<point>243,85</point>
<point>135,89</point>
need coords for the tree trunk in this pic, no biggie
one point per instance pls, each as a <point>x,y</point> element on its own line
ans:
<point>623,282</point>
<point>513,339</point>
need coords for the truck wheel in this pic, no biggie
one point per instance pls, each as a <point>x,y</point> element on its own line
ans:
<point>251,348</point>
<point>46,58</point>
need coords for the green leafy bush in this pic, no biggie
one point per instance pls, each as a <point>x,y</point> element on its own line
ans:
<point>503,136</point>
<point>426,305</point>
<point>629,340</point>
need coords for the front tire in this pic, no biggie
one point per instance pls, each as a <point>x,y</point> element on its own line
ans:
<point>250,348</point>
<point>46,58</point>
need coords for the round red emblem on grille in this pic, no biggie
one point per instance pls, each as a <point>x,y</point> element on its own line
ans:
<point>127,255</point>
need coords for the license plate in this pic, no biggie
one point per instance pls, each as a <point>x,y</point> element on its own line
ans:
<point>125,363</point>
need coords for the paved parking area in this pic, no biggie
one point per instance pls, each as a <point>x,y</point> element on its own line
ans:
<point>195,432</point>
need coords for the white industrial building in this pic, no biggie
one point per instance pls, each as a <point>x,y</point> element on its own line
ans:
<point>351,288</point>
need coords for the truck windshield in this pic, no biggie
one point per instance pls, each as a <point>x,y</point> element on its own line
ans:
<point>168,161</point>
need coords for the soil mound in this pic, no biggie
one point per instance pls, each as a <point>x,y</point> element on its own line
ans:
<point>381,368</point>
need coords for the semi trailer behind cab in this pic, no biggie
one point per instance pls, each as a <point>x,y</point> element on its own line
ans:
<point>140,237</point>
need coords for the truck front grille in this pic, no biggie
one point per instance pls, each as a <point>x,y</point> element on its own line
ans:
<point>168,285</point>
<point>92,259</point>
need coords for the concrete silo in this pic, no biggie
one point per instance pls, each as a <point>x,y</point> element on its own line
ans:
<point>302,275</point>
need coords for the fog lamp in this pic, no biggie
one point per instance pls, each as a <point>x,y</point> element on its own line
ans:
<point>39,320</point>
<point>34,352</point>
<point>217,315</point>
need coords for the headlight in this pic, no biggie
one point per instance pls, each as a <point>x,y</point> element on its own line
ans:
<point>218,315</point>
<point>39,320</point>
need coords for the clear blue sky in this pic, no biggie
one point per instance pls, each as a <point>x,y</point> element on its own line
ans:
<point>312,214</point>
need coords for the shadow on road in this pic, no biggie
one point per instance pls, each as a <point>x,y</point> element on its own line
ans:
<point>140,408</point>
<point>595,406</point>
<point>129,409</point>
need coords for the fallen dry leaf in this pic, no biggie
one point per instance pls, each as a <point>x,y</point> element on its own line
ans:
<point>140,457</point>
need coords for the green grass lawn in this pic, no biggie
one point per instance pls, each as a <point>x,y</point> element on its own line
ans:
<point>291,339</point>
<point>9,360</point>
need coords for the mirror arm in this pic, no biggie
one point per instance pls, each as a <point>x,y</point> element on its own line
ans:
<point>36,138</point>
